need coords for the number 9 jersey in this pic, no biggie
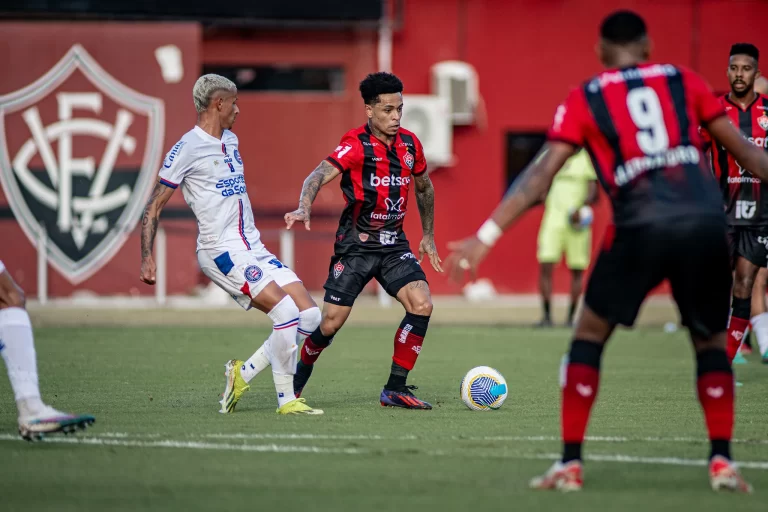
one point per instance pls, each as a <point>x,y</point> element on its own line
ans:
<point>640,126</point>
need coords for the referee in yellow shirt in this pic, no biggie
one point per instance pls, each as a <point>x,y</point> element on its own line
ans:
<point>563,230</point>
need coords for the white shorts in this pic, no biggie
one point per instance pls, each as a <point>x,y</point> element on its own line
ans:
<point>2,267</point>
<point>244,274</point>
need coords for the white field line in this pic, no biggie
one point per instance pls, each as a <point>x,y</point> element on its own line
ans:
<point>312,437</point>
<point>194,445</point>
<point>375,437</point>
<point>275,448</point>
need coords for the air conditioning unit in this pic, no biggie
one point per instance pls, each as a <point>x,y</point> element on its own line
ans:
<point>429,117</point>
<point>457,81</point>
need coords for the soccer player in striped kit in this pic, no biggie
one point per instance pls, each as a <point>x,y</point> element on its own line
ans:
<point>377,162</point>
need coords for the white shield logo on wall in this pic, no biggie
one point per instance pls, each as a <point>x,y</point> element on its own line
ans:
<point>77,172</point>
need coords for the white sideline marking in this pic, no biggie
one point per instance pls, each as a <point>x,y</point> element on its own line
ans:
<point>375,437</point>
<point>327,437</point>
<point>275,448</point>
<point>615,439</point>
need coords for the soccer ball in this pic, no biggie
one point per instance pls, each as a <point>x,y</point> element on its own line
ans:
<point>586,216</point>
<point>483,389</point>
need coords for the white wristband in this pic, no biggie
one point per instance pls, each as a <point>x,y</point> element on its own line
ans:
<point>489,232</point>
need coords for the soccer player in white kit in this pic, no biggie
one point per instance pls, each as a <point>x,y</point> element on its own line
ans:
<point>17,346</point>
<point>206,164</point>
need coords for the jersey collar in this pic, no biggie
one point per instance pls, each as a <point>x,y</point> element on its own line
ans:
<point>369,132</point>
<point>207,136</point>
<point>728,99</point>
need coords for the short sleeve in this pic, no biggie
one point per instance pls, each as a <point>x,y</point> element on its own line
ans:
<point>176,165</point>
<point>571,117</point>
<point>347,155</point>
<point>705,103</point>
<point>420,165</point>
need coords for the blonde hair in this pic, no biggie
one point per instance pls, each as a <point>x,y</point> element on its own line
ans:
<point>206,86</point>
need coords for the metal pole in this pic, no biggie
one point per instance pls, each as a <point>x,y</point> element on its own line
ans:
<point>385,39</point>
<point>42,265</point>
<point>161,274</point>
<point>287,247</point>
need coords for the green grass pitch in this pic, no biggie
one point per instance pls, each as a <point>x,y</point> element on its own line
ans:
<point>160,444</point>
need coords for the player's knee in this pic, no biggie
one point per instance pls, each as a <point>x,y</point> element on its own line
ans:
<point>330,324</point>
<point>742,286</point>
<point>310,318</point>
<point>422,306</point>
<point>329,327</point>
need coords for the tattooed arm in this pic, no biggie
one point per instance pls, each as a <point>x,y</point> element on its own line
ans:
<point>425,199</point>
<point>527,189</point>
<point>149,221</point>
<point>322,175</point>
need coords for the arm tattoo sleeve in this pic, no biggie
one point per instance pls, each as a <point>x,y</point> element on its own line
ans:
<point>425,199</point>
<point>149,222</point>
<point>322,174</point>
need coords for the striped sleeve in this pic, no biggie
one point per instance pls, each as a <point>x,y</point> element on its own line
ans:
<point>570,118</point>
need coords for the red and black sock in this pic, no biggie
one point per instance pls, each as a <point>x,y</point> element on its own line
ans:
<point>582,379</point>
<point>737,325</point>
<point>408,341</point>
<point>714,383</point>
<point>314,344</point>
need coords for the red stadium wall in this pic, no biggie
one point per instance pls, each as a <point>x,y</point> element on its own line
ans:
<point>527,56</point>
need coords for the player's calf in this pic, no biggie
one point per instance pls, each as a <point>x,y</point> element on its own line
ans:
<point>310,351</point>
<point>409,339</point>
<point>332,319</point>
<point>715,389</point>
<point>737,325</point>
<point>580,379</point>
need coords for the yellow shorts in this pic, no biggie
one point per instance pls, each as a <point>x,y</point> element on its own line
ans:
<point>558,237</point>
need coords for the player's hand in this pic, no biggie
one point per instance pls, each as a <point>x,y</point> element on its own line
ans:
<point>300,215</point>
<point>465,255</point>
<point>427,246</point>
<point>148,269</point>
<point>575,218</point>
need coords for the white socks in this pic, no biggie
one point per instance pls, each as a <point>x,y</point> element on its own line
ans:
<point>760,328</point>
<point>256,363</point>
<point>17,347</point>
<point>282,349</point>
<point>309,319</point>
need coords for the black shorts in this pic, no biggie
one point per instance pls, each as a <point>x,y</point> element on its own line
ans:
<point>393,267</point>
<point>691,253</point>
<point>750,243</point>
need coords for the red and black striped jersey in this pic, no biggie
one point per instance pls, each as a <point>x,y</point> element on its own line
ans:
<point>745,196</point>
<point>375,181</point>
<point>640,127</point>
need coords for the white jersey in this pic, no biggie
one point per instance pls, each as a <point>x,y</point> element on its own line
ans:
<point>210,173</point>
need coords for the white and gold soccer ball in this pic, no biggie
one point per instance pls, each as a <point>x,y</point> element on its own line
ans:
<point>483,389</point>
